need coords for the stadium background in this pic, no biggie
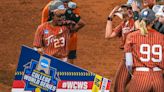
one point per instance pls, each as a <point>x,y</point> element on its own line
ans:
<point>19,20</point>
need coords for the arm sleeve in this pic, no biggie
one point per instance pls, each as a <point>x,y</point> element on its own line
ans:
<point>38,40</point>
<point>129,59</point>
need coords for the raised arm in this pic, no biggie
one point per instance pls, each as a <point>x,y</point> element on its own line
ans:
<point>109,33</point>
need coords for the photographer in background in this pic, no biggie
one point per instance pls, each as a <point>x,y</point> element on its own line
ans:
<point>73,14</point>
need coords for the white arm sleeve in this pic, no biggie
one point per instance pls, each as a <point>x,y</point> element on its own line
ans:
<point>129,59</point>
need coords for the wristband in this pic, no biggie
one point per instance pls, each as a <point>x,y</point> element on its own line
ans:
<point>110,18</point>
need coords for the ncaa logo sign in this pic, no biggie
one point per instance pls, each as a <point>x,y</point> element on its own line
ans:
<point>44,63</point>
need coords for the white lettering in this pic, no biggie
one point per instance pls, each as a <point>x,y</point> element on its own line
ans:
<point>41,77</point>
<point>49,39</point>
<point>41,80</point>
<point>75,85</point>
<point>58,42</point>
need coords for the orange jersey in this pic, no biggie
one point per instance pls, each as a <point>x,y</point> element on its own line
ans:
<point>76,10</point>
<point>147,50</point>
<point>73,41</point>
<point>54,40</point>
<point>124,29</point>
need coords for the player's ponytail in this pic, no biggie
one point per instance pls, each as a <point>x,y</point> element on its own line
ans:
<point>143,27</point>
<point>147,19</point>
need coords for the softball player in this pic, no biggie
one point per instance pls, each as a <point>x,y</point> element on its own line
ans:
<point>71,4</point>
<point>144,56</point>
<point>52,37</point>
<point>125,27</point>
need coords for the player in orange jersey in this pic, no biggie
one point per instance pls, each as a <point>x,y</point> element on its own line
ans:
<point>124,28</point>
<point>144,50</point>
<point>52,37</point>
<point>73,11</point>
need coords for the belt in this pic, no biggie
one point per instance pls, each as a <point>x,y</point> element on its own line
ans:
<point>146,69</point>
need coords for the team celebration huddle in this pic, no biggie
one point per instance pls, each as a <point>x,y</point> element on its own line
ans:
<point>141,32</point>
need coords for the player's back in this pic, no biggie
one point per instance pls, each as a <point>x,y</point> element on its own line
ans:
<point>147,49</point>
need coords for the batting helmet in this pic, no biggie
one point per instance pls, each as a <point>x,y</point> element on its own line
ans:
<point>54,5</point>
<point>148,15</point>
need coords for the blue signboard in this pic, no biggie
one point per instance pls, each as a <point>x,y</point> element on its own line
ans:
<point>43,73</point>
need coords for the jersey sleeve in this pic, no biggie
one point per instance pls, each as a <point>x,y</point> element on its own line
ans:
<point>76,11</point>
<point>128,43</point>
<point>38,38</point>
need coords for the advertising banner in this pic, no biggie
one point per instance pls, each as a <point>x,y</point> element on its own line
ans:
<point>43,73</point>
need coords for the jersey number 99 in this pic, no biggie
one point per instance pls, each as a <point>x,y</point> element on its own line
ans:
<point>149,50</point>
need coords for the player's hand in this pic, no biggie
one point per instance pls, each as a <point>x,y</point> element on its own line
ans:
<point>113,11</point>
<point>161,19</point>
<point>134,6</point>
<point>68,22</point>
<point>39,50</point>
